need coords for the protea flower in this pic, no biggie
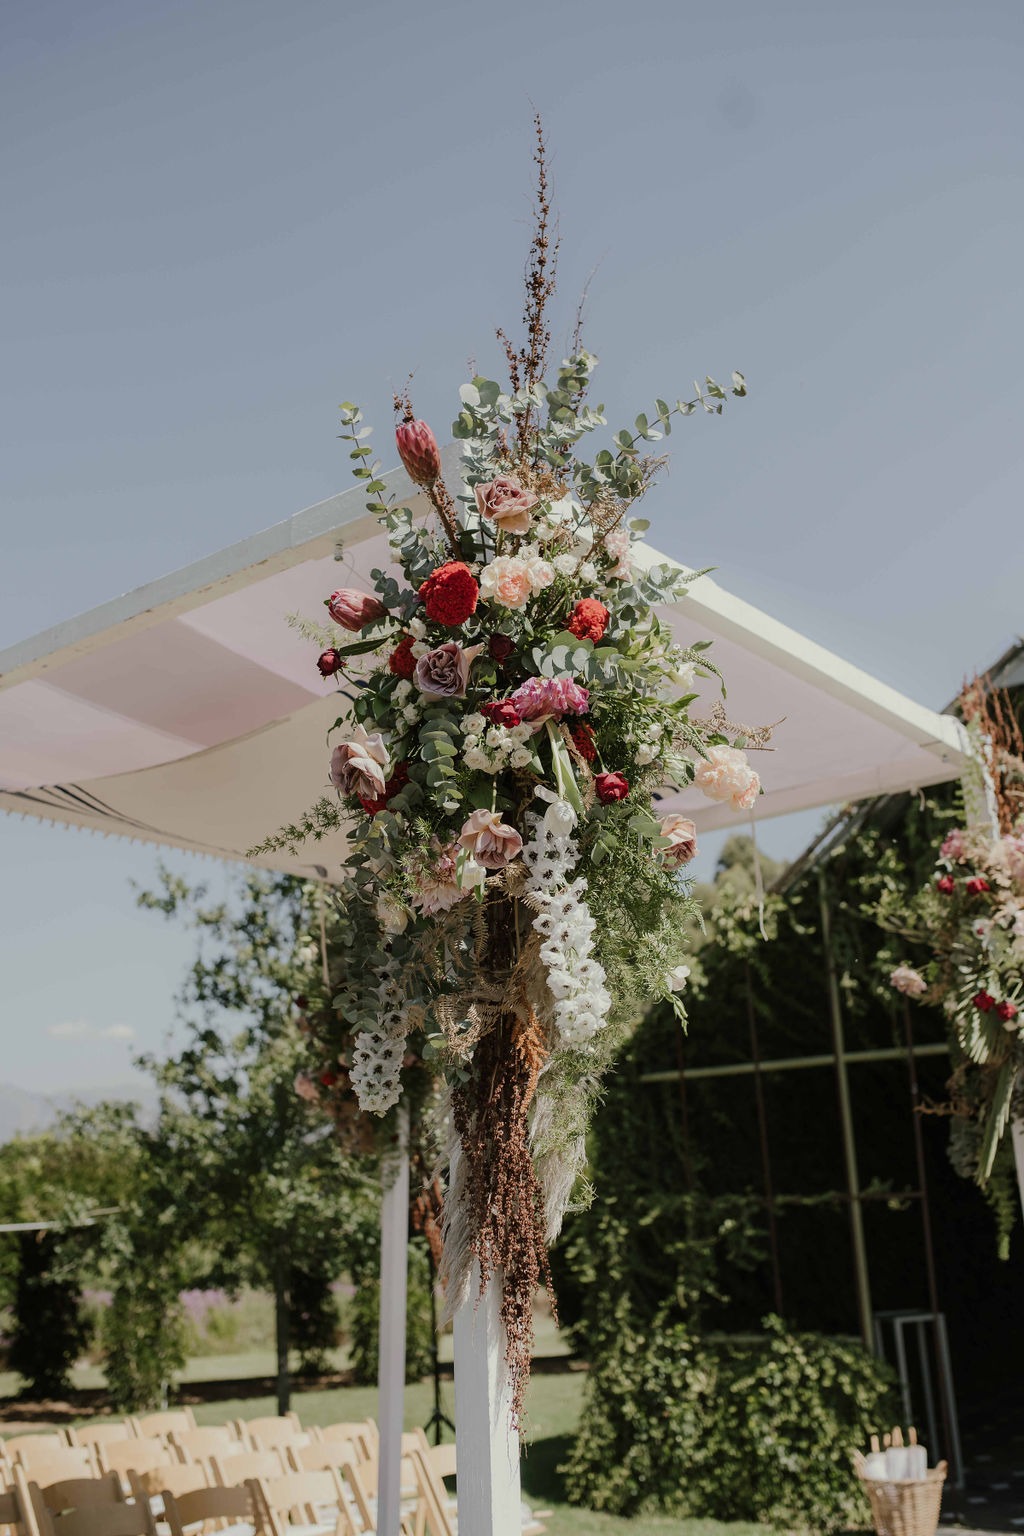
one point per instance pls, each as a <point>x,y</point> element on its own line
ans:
<point>418,451</point>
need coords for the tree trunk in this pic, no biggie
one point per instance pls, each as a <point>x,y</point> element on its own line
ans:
<point>282,1310</point>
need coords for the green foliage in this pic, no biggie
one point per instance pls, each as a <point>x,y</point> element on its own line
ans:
<point>315,1322</point>
<point>143,1333</point>
<point>49,1330</point>
<point>364,1316</point>
<point>759,1430</point>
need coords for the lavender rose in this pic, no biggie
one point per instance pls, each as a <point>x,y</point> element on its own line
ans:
<point>444,673</point>
<point>506,504</point>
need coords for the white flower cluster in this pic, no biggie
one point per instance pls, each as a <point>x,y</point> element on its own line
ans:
<point>575,979</point>
<point>377,1055</point>
<point>407,701</point>
<point>490,748</point>
<point>650,747</point>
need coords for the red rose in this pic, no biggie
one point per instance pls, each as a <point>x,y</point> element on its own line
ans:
<point>500,648</point>
<point>588,620</point>
<point>450,593</point>
<point>611,787</point>
<point>328,1078</point>
<point>983,1001</point>
<point>398,779</point>
<point>946,884</point>
<point>977,885</point>
<point>418,451</point>
<point>501,712</point>
<point>402,662</point>
<point>583,741</point>
<point>302,1002</point>
<point>329,662</point>
<point>1006,1011</point>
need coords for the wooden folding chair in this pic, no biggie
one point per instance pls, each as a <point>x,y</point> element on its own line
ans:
<point>52,1501</point>
<point>48,1465</point>
<point>106,1520</point>
<point>47,1440</point>
<point>182,1511</point>
<point>206,1441</point>
<point>321,1455</point>
<point>362,1433</point>
<point>243,1466</point>
<point>18,1517</point>
<point>92,1435</point>
<point>159,1425</point>
<point>126,1456</point>
<point>271,1431</point>
<point>306,1499</point>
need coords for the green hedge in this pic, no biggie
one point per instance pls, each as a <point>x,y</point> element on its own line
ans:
<point>754,1430</point>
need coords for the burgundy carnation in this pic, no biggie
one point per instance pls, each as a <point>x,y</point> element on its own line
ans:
<point>398,779</point>
<point>402,662</point>
<point>583,741</point>
<point>588,620</point>
<point>611,787</point>
<point>450,593</point>
<point>329,662</point>
<point>418,451</point>
<point>501,712</point>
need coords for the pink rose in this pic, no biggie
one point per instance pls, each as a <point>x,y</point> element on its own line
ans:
<point>444,672</point>
<point>490,841</point>
<point>354,610</point>
<point>908,981</point>
<point>682,835</point>
<point>360,766</point>
<point>506,504</point>
<point>541,697</point>
<point>1013,849</point>
<point>953,845</point>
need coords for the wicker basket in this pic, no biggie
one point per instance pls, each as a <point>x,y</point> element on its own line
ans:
<point>908,1508</point>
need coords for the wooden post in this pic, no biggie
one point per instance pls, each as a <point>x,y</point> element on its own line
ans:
<point>394,1263</point>
<point>487,1447</point>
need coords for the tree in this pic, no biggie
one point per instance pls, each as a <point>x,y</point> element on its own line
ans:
<point>263,1181</point>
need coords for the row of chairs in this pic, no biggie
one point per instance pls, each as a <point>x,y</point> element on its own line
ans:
<point>170,1468</point>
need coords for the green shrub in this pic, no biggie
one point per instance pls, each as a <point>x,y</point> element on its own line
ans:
<point>364,1314</point>
<point>49,1329</point>
<point>760,1430</point>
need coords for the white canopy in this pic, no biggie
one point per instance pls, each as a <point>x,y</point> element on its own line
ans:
<point>189,714</point>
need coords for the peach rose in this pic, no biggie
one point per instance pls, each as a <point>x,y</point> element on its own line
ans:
<point>361,766</point>
<point>506,581</point>
<point>504,502</point>
<point>682,835</point>
<point>725,775</point>
<point>490,841</point>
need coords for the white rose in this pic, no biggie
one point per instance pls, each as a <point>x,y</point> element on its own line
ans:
<point>646,754</point>
<point>495,738</point>
<point>403,688</point>
<point>470,873</point>
<point>417,629</point>
<point>473,725</point>
<point>588,573</point>
<point>410,713</point>
<point>419,649</point>
<point>565,565</point>
<point>521,757</point>
<point>473,757</point>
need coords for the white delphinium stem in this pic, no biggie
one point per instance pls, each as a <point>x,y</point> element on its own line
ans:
<point>575,979</point>
<point>378,1054</point>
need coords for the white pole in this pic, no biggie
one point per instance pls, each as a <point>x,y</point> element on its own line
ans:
<point>394,1262</point>
<point>487,1448</point>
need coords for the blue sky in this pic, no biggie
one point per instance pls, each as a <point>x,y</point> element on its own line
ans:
<point>222,218</point>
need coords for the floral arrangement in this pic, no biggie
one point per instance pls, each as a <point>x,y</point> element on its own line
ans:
<point>514,705</point>
<point>970,920</point>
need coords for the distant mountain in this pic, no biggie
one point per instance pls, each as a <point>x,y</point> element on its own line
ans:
<point>22,1112</point>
